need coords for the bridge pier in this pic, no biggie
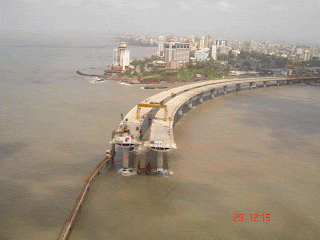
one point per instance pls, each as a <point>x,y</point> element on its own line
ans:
<point>251,85</point>
<point>201,97</point>
<point>238,87</point>
<point>180,111</point>
<point>212,93</point>
<point>160,162</point>
<point>113,147</point>
<point>190,103</point>
<point>278,83</point>
<point>225,90</point>
<point>264,84</point>
<point>290,82</point>
<point>125,150</point>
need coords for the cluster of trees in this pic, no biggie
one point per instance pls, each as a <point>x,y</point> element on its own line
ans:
<point>208,68</point>
<point>263,60</point>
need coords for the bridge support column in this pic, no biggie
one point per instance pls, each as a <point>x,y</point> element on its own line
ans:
<point>113,150</point>
<point>113,147</point>
<point>190,103</point>
<point>290,82</point>
<point>238,87</point>
<point>225,90</point>
<point>251,85</point>
<point>278,83</point>
<point>201,97</point>
<point>180,111</point>
<point>212,93</point>
<point>125,150</point>
<point>160,162</point>
<point>264,84</point>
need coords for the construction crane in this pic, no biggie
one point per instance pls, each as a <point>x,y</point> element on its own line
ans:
<point>153,105</point>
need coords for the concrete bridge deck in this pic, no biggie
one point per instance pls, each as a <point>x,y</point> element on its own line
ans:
<point>161,135</point>
<point>135,124</point>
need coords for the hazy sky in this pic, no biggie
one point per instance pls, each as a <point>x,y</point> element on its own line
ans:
<point>249,19</point>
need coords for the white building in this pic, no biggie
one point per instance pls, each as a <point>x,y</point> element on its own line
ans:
<point>202,42</point>
<point>161,46</point>
<point>201,55</point>
<point>214,52</point>
<point>221,43</point>
<point>121,56</point>
<point>176,51</point>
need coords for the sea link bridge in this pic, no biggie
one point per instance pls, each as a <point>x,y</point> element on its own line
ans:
<point>168,104</point>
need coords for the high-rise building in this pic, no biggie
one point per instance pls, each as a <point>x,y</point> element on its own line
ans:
<point>247,47</point>
<point>214,52</point>
<point>121,56</point>
<point>161,46</point>
<point>306,55</point>
<point>207,41</point>
<point>176,51</point>
<point>221,43</point>
<point>202,40</point>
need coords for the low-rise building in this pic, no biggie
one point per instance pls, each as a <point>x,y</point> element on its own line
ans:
<point>201,55</point>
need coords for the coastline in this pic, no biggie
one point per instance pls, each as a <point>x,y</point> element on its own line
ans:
<point>134,81</point>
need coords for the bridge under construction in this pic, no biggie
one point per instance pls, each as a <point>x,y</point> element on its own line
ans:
<point>168,104</point>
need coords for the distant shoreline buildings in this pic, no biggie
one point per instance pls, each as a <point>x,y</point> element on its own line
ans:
<point>121,57</point>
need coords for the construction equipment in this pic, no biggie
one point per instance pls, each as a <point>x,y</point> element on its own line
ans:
<point>153,105</point>
<point>125,126</point>
<point>148,168</point>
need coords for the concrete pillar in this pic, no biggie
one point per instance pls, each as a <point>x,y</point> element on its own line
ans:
<point>190,103</point>
<point>251,84</point>
<point>278,83</point>
<point>113,146</point>
<point>125,150</point>
<point>290,82</point>
<point>201,97</point>
<point>225,90</point>
<point>212,93</point>
<point>264,84</point>
<point>113,150</point>
<point>238,87</point>
<point>160,162</point>
<point>180,111</point>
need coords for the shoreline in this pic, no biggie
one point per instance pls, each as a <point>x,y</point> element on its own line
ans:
<point>135,81</point>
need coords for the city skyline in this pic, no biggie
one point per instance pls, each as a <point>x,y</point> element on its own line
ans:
<point>249,20</point>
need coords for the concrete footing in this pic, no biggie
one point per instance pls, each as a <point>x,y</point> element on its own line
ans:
<point>251,85</point>
<point>190,103</point>
<point>225,90</point>
<point>160,162</point>
<point>264,84</point>
<point>180,111</point>
<point>278,83</point>
<point>238,87</point>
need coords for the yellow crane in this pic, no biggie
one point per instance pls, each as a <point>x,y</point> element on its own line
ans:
<point>153,105</point>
